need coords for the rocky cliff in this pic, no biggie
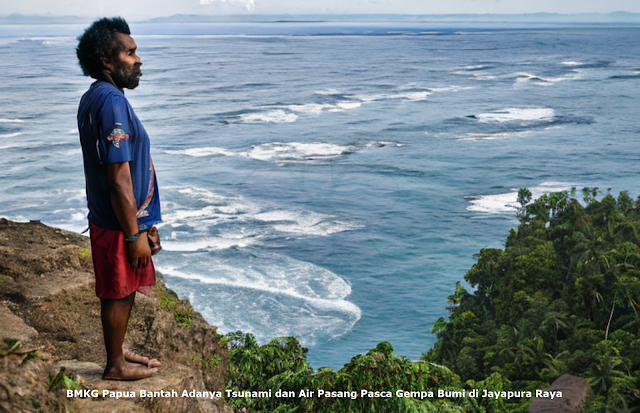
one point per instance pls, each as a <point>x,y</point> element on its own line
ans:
<point>51,336</point>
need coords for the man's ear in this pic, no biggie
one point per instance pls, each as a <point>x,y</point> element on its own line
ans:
<point>107,65</point>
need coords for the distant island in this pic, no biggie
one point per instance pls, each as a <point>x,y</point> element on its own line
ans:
<point>601,18</point>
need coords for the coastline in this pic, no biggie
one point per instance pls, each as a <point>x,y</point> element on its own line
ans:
<point>52,337</point>
<point>51,352</point>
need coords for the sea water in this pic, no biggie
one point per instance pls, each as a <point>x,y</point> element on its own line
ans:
<point>331,182</point>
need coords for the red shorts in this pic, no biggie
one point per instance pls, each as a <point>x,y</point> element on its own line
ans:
<point>115,278</point>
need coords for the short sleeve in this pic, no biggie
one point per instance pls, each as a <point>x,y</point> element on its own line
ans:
<point>116,131</point>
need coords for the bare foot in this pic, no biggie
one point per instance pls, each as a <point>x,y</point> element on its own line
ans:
<point>127,371</point>
<point>136,358</point>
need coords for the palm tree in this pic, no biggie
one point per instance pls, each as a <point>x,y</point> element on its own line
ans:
<point>556,366</point>
<point>606,373</point>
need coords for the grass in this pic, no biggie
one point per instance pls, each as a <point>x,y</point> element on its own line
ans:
<point>183,317</point>
<point>4,279</point>
<point>182,313</point>
<point>206,363</point>
<point>168,299</point>
<point>85,253</point>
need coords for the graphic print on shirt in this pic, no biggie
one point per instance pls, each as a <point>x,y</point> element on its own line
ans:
<point>142,212</point>
<point>117,135</point>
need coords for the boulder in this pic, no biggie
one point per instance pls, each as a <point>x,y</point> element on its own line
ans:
<point>574,394</point>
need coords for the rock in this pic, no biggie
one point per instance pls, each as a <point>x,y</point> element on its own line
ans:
<point>12,326</point>
<point>574,394</point>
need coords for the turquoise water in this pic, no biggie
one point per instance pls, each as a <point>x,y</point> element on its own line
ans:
<point>331,183</point>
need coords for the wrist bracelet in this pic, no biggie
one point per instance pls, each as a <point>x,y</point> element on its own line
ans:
<point>132,237</point>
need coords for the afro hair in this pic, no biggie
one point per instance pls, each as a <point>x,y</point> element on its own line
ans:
<point>97,42</point>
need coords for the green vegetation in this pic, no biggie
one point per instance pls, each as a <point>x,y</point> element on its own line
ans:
<point>183,316</point>
<point>562,297</point>
<point>85,253</point>
<point>281,365</point>
<point>61,379</point>
<point>4,280</point>
<point>207,363</point>
<point>182,312</point>
<point>168,299</point>
<point>9,346</point>
<point>13,347</point>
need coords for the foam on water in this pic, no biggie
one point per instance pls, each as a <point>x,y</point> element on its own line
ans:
<point>33,144</point>
<point>211,211</point>
<point>545,81</point>
<point>507,203</point>
<point>340,103</point>
<point>73,152</point>
<point>477,75</point>
<point>318,108</point>
<point>26,205</point>
<point>204,206</point>
<point>289,113</point>
<point>272,116</point>
<point>70,219</point>
<point>312,108</point>
<point>516,114</point>
<point>268,272</point>
<point>415,95</point>
<point>216,222</point>
<point>475,72</point>
<point>5,120</point>
<point>262,289</point>
<point>492,136</point>
<point>15,218</point>
<point>76,194</point>
<point>198,152</point>
<point>452,88</point>
<point>11,135</point>
<point>217,243</point>
<point>327,92</point>
<point>304,222</point>
<point>213,257</point>
<point>283,153</point>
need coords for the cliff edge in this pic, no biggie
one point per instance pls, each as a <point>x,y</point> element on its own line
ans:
<point>51,335</point>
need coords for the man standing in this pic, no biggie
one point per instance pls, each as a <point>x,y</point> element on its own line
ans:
<point>122,193</point>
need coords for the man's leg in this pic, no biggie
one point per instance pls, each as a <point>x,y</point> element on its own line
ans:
<point>129,355</point>
<point>115,317</point>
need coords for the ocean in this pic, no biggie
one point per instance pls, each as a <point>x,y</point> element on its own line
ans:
<point>332,181</point>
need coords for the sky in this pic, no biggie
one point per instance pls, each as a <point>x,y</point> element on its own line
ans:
<point>159,8</point>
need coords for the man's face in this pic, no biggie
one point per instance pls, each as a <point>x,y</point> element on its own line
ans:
<point>126,64</point>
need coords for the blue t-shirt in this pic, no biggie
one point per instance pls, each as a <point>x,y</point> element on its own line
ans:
<point>110,132</point>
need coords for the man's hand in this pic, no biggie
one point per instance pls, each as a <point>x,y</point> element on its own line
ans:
<point>124,205</point>
<point>139,252</point>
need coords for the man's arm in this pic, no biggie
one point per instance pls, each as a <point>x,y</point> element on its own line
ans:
<point>124,205</point>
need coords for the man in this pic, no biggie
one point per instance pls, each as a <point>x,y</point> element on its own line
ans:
<point>122,193</point>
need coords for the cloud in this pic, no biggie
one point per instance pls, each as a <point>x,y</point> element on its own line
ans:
<point>248,5</point>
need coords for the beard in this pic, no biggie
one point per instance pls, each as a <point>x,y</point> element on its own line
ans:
<point>126,77</point>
